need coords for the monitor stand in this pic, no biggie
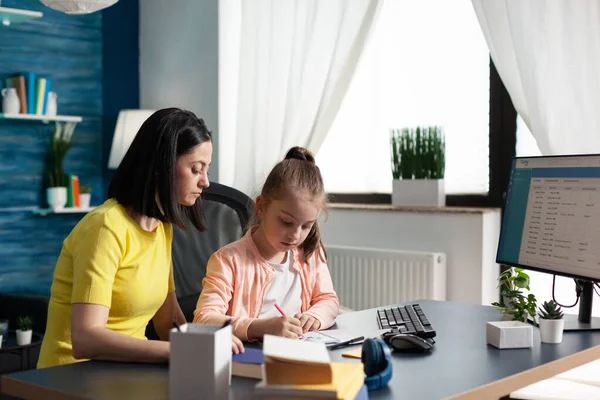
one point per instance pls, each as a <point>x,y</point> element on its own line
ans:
<point>583,321</point>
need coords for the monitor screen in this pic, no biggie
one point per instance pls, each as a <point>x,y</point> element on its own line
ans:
<point>551,219</point>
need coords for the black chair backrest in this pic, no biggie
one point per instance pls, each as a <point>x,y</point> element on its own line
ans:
<point>227,212</point>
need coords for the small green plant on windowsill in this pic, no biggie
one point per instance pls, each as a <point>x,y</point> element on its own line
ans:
<point>516,304</point>
<point>85,189</point>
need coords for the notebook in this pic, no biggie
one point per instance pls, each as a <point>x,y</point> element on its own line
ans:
<point>292,361</point>
<point>347,381</point>
<point>248,364</point>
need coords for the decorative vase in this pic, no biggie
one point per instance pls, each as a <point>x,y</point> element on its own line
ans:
<point>551,330</point>
<point>51,106</point>
<point>10,101</point>
<point>418,192</point>
<point>56,197</point>
<point>23,337</point>
<point>84,200</point>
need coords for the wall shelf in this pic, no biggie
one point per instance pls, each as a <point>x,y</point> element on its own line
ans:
<point>69,210</point>
<point>14,15</point>
<point>44,118</point>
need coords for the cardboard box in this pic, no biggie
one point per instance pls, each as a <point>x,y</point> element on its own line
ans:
<point>509,334</point>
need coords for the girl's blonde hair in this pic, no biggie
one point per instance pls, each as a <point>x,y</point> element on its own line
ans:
<point>298,172</point>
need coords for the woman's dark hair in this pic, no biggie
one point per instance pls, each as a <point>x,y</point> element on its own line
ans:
<point>148,168</point>
<point>298,172</point>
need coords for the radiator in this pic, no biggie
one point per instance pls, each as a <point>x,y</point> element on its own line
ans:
<point>367,277</point>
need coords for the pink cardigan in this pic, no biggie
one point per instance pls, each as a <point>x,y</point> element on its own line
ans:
<point>237,278</point>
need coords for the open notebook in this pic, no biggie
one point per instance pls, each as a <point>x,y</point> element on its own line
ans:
<point>578,383</point>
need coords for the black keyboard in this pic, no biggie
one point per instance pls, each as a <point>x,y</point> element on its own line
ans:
<point>406,319</point>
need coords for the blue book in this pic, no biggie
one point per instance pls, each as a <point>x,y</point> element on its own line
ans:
<point>248,364</point>
<point>30,88</point>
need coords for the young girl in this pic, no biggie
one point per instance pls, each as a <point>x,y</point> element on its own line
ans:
<point>275,279</point>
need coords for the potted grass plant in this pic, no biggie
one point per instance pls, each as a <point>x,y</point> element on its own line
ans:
<point>551,322</point>
<point>60,143</point>
<point>418,166</point>
<point>24,330</point>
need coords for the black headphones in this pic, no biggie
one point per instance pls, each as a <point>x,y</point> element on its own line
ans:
<point>377,359</point>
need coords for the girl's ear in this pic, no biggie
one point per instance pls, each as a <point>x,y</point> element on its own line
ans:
<point>260,206</point>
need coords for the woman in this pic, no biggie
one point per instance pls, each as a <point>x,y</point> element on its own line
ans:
<point>114,272</point>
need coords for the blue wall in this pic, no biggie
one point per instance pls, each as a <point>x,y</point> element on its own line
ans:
<point>68,50</point>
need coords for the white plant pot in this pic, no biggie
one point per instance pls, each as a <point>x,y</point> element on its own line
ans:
<point>551,330</point>
<point>418,192</point>
<point>23,337</point>
<point>56,197</point>
<point>84,200</point>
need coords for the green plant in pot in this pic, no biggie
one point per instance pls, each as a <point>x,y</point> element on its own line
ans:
<point>515,304</point>
<point>85,195</point>
<point>551,322</point>
<point>60,143</point>
<point>24,326</point>
<point>418,166</point>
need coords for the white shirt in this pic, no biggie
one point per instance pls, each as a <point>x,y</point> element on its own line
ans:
<point>284,289</point>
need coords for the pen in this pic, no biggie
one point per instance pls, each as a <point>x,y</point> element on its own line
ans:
<point>347,343</point>
<point>176,325</point>
<point>280,310</point>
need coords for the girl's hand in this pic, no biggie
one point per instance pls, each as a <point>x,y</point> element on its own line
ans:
<point>280,326</point>
<point>308,322</point>
<point>236,345</point>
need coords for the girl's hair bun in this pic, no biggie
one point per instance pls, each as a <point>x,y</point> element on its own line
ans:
<point>300,153</point>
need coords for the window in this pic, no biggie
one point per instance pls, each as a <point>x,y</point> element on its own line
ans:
<point>426,63</point>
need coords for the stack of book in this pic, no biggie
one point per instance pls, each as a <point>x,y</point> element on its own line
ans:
<point>301,369</point>
<point>32,91</point>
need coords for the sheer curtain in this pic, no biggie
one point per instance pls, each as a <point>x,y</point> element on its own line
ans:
<point>548,56</point>
<point>283,74</point>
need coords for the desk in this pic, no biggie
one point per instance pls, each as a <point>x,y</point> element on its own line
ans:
<point>460,361</point>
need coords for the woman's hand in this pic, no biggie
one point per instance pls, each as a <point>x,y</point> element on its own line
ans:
<point>280,326</point>
<point>236,345</point>
<point>308,322</point>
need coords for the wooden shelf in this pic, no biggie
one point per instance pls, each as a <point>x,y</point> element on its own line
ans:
<point>43,118</point>
<point>13,15</point>
<point>69,210</point>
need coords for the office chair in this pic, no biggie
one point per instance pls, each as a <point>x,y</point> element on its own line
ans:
<point>227,212</point>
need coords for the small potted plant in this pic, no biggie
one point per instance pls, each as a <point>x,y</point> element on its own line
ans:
<point>551,322</point>
<point>85,195</point>
<point>24,331</point>
<point>515,304</point>
<point>56,187</point>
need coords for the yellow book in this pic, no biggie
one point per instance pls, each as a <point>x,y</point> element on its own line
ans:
<point>348,378</point>
<point>293,362</point>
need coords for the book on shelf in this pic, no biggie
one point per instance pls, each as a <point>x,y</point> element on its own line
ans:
<point>248,364</point>
<point>292,361</point>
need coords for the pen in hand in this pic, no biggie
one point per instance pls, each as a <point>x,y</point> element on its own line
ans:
<point>279,309</point>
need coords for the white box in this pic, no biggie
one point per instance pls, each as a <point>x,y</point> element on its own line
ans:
<point>200,362</point>
<point>509,334</point>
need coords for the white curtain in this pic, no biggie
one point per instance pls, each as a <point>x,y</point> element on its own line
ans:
<point>284,85</point>
<point>547,53</point>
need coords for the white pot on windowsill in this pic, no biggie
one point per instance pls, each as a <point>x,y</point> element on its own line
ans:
<point>23,337</point>
<point>551,330</point>
<point>418,192</point>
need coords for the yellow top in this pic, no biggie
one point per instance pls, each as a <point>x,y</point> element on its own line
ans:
<point>108,259</point>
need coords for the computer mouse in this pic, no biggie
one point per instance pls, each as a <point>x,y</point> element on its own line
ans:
<point>406,342</point>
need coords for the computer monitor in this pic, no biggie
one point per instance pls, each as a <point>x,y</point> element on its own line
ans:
<point>551,223</point>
